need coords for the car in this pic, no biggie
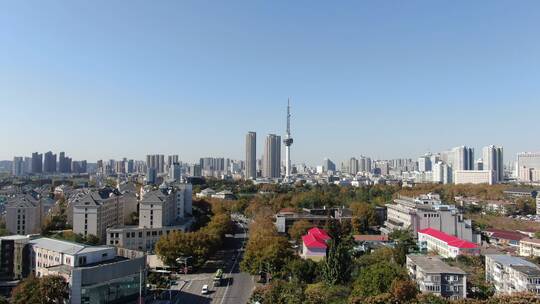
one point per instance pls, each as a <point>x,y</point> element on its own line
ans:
<point>204,289</point>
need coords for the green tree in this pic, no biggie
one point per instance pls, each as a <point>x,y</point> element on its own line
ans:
<point>336,267</point>
<point>322,293</point>
<point>301,270</point>
<point>45,290</point>
<point>377,279</point>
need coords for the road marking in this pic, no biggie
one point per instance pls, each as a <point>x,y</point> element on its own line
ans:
<point>232,268</point>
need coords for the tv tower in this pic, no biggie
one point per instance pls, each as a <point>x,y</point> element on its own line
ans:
<point>288,142</point>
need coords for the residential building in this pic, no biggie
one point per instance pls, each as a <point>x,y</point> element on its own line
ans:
<point>432,275</point>
<point>493,160</point>
<point>527,162</point>
<point>95,274</point>
<point>445,245</point>
<point>529,247</point>
<point>503,237</point>
<point>160,211</point>
<point>474,177</point>
<point>37,163</point>
<point>272,157</point>
<point>251,155</point>
<point>424,163</point>
<point>17,166</point>
<point>353,166</point>
<point>49,162</point>
<point>314,244</point>
<point>98,210</point>
<point>427,211</point>
<point>512,274</point>
<point>156,161</point>
<point>14,257</point>
<point>24,214</point>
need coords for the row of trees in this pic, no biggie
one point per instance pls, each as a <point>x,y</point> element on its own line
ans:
<point>199,245</point>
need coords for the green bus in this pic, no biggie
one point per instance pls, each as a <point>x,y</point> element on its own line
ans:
<point>218,277</point>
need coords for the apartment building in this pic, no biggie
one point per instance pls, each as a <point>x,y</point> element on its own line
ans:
<point>160,211</point>
<point>512,274</point>
<point>445,245</point>
<point>98,210</point>
<point>432,275</point>
<point>14,257</point>
<point>529,247</point>
<point>24,214</point>
<point>427,211</point>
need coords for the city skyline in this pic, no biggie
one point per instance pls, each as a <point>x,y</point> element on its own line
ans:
<point>193,78</point>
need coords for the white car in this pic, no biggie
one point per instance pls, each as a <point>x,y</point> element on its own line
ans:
<point>204,289</point>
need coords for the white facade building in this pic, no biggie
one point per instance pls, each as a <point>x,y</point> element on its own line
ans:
<point>512,274</point>
<point>474,177</point>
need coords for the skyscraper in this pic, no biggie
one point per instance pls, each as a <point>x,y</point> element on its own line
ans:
<point>272,156</point>
<point>251,155</point>
<point>353,166</point>
<point>424,163</point>
<point>49,162</point>
<point>18,166</point>
<point>462,158</point>
<point>525,162</point>
<point>328,165</point>
<point>37,162</point>
<point>493,160</point>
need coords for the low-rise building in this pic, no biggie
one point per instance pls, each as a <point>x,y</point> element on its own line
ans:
<point>512,274</point>
<point>529,247</point>
<point>432,275</point>
<point>503,237</point>
<point>96,274</point>
<point>445,245</point>
<point>208,192</point>
<point>314,244</point>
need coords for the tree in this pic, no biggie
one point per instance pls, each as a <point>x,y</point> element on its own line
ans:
<point>46,290</point>
<point>299,228</point>
<point>301,270</point>
<point>266,251</point>
<point>3,300</point>
<point>403,290</point>
<point>364,216</point>
<point>336,267</point>
<point>321,293</point>
<point>377,279</point>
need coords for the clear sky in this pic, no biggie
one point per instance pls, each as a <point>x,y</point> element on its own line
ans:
<point>388,79</point>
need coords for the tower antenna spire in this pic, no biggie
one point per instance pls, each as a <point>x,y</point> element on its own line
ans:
<point>288,142</point>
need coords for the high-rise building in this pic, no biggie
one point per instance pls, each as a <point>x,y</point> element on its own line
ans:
<point>64,163</point>
<point>353,166</point>
<point>328,165</point>
<point>424,163</point>
<point>130,166</point>
<point>251,155</point>
<point>78,166</point>
<point>272,156</point>
<point>49,162</point>
<point>17,166</point>
<point>527,162</point>
<point>156,161</point>
<point>493,160</point>
<point>463,158</point>
<point>479,164</point>
<point>365,164</point>
<point>37,162</point>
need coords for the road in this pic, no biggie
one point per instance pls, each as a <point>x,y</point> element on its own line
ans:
<point>237,286</point>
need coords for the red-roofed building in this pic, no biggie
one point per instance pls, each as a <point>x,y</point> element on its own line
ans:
<point>504,237</point>
<point>447,246</point>
<point>314,244</point>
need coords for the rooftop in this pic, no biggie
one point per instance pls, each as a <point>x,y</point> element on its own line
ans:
<point>508,260</point>
<point>449,239</point>
<point>433,264</point>
<point>65,246</point>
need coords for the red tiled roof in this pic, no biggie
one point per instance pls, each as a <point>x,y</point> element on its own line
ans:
<point>505,234</point>
<point>319,234</point>
<point>312,242</point>
<point>448,239</point>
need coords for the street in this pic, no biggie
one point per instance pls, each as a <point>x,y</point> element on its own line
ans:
<point>236,287</point>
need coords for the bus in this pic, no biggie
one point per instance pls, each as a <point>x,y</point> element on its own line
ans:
<point>218,277</point>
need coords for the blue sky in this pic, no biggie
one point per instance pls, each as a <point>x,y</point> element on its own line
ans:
<point>108,79</point>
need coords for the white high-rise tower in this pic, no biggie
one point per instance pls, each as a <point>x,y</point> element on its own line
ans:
<point>288,142</point>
